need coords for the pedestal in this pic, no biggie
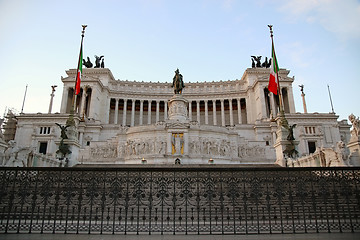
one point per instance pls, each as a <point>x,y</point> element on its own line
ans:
<point>178,108</point>
<point>74,147</point>
<point>3,147</point>
<point>354,148</point>
<point>284,147</point>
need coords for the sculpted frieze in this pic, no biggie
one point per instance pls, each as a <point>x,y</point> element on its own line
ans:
<point>106,151</point>
<point>140,147</point>
<point>224,148</point>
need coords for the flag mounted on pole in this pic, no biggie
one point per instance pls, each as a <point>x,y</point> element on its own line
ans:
<point>274,69</point>
<point>79,72</point>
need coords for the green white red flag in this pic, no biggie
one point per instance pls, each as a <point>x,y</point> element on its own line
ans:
<point>79,72</point>
<point>273,81</point>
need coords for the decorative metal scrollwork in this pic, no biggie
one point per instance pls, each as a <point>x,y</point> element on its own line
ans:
<point>179,200</point>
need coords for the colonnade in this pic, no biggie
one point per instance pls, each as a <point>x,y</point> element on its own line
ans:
<point>134,112</point>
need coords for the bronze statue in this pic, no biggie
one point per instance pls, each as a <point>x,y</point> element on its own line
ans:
<point>97,61</point>
<point>301,88</point>
<point>102,64</point>
<point>290,136</point>
<point>257,59</point>
<point>87,63</point>
<point>63,131</point>
<point>178,83</point>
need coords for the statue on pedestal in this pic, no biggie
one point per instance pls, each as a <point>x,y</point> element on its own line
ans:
<point>355,132</point>
<point>178,83</point>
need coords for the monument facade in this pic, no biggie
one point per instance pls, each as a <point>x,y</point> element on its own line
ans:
<point>222,122</point>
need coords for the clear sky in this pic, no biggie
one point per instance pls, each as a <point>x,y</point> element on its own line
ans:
<point>208,40</point>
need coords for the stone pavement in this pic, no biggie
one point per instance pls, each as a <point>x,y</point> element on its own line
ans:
<point>309,236</point>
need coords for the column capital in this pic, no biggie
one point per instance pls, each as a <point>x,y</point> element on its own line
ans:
<point>141,100</point>
<point>222,100</point>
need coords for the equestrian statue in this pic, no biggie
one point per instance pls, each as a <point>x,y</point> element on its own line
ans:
<point>178,83</point>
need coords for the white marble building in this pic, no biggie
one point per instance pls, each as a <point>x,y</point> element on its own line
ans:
<point>125,122</point>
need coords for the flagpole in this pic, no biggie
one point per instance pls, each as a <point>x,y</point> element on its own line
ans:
<point>283,121</point>
<point>22,108</point>
<point>332,107</point>
<point>277,74</point>
<point>77,70</point>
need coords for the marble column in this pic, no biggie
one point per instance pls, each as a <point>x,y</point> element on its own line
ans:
<point>186,143</point>
<point>304,102</point>
<point>132,113</point>
<point>64,101</point>
<point>82,107</point>
<point>165,111</point>
<point>149,112</point>
<point>124,112</point>
<point>190,110</point>
<point>116,111</point>
<point>231,113</point>
<point>222,113</point>
<point>273,107</point>
<point>239,111</point>
<point>214,112</point>
<point>81,138</point>
<point>107,117</point>
<point>141,112</point>
<point>206,112</point>
<point>157,110</point>
<point>198,111</point>
<point>262,103</point>
<point>168,144</point>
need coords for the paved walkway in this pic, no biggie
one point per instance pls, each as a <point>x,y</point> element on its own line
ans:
<point>309,236</point>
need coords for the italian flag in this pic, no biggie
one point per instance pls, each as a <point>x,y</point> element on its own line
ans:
<point>79,72</point>
<point>273,81</point>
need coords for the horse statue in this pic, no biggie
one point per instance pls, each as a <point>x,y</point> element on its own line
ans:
<point>178,83</point>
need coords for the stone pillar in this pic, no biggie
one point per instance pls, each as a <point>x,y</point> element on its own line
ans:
<point>198,111</point>
<point>206,112</point>
<point>239,110</point>
<point>81,138</point>
<point>116,111</point>
<point>222,113</point>
<point>64,100</point>
<point>82,107</point>
<point>231,113</point>
<point>273,107</point>
<point>157,110</point>
<point>262,103</point>
<point>107,117</point>
<point>165,111</point>
<point>149,112</point>
<point>214,111</point>
<point>186,143</point>
<point>304,103</point>
<point>168,144</point>
<point>190,110</point>
<point>51,98</point>
<point>141,112</point>
<point>124,112</point>
<point>132,113</point>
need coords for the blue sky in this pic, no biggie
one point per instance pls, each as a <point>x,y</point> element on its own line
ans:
<point>208,40</point>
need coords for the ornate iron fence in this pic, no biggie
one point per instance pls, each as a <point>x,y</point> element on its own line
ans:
<point>179,200</point>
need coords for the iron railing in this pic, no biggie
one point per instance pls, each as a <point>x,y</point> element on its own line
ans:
<point>179,200</point>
